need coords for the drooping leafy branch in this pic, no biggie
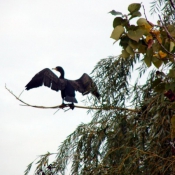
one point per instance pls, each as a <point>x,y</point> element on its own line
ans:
<point>118,141</point>
<point>62,106</point>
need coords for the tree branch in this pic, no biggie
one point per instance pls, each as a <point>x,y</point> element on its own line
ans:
<point>152,25</point>
<point>172,4</point>
<point>62,106</point>
<point>166,29</point>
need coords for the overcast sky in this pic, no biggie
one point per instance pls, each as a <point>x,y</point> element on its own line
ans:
<point>34,35</point>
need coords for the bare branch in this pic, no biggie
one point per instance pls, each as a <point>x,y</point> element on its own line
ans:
<point>62,106</point>
<point>154,36</point>
<point>151,24</point>
<point>166,29</point>
<point>172,4</point>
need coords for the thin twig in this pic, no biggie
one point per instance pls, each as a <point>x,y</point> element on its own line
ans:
<point>166,29</point>
<point>144,12</point>
<point>172,4</point>
<point>152,25</point>
<point>20,94</point>
<point>62,106</point>
<point>162,45</point>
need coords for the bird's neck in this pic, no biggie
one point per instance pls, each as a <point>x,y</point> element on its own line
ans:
<point>62,74</point>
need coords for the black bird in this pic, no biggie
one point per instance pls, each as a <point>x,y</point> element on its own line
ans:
<point>84,84</point>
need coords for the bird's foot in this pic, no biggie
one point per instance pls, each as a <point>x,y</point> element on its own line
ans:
<point>71,106</point>
<point>63,105</point>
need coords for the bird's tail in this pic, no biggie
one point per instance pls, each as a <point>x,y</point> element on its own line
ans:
<point>70,99</point>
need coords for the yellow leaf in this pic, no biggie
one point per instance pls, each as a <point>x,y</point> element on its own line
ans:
<point>145,25</point>
<point>162,54</point>
<point>155,32</point>
<point>156,55</point>
<point>148,27</point>
<point>148,37</point>
<point>159,39</point>
<point>171,46</point>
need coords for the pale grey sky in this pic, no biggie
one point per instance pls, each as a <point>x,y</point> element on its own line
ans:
<point>34,35</point>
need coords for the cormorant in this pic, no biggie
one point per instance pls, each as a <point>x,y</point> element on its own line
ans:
<point>84,84</point>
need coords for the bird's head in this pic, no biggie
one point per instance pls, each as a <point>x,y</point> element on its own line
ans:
<point>59,69</point>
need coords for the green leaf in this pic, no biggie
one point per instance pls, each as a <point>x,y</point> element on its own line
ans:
<point>147,60</point>
<point>160,87</point>
<point>141,22</point>
<point>125,54</point>
<point>113,12</point>
<point>133,44</point>
<point>156,82</point>
<point>124,41</point>
<point>133,27</point>
<point>130,50</point>
<point>142,47</point>
<point>171,73</point>
<point>156,47</point>
<point>119,21</point>
<point>173,50</point>
<point>134,7</point>
<point>148,57</point>
<point>172,87</point>
<point>157,62</point>
<point>135,14</point>
<point>169,86</point>
<point>135,34</point>
<point>116,33</point>
<point>171,30</point>
<point>172,45</point>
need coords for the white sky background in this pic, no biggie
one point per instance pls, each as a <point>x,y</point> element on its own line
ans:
<point>34,35</point>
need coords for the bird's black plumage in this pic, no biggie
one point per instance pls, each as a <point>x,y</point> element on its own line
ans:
<point>84,84</point>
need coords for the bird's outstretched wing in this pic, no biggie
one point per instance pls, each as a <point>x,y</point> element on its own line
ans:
<point>48,78</point>
<point>85,85</point>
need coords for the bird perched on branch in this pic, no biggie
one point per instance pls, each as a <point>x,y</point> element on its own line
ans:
<point>84,84</point>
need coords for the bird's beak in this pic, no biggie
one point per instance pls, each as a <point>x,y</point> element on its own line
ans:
<point>54,68</point>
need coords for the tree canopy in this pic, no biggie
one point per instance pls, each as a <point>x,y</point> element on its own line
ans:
<point>133,127</point>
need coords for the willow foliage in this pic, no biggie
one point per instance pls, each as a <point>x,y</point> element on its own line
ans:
<point>119,141</point>
<point>133,131</point>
